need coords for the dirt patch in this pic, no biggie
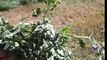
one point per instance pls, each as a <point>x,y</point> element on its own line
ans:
<point>20,13</point>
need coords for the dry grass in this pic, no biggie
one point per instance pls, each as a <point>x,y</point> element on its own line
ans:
<point>84,18</point>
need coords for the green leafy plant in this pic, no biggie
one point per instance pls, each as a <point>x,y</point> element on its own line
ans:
<point>50,5</point>
<point>34,41</point>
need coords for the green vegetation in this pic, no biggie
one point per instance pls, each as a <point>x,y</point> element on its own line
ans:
<point>37,41</point>
<point>34,41</point>
<point>24,2</point>
<point>8,4</point>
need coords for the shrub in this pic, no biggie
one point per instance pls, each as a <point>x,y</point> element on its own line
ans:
<point>7,4</point>
<point>34,41</point>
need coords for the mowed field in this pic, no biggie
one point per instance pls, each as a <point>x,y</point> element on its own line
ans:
<point>82,16</point>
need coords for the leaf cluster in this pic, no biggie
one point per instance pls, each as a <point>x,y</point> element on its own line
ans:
<point>37,41</point>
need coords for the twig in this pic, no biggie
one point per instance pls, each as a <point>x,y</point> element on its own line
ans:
<point>78,37</point>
